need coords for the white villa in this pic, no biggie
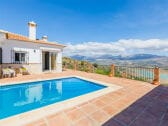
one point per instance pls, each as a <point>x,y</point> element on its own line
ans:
<point>37,55</point>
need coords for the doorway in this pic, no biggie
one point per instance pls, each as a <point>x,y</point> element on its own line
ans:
<point>46,61</point>
<point>53,61</point>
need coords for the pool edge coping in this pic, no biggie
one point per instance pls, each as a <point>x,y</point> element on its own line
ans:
<point>69,103</point>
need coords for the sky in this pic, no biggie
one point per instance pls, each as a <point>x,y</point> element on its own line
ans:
<point>97,27</point>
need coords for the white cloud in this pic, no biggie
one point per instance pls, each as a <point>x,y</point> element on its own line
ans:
<point>121,47</point>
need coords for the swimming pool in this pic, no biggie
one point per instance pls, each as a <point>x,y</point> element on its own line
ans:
<point>19,98</point>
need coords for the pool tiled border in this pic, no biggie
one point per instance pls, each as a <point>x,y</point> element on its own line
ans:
<point>24,118</point>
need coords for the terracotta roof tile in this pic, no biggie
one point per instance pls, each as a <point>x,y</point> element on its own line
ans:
<point>13,36</point>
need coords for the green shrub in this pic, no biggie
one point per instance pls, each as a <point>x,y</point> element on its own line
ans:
<point>95,65</point>
<point>102,71</point>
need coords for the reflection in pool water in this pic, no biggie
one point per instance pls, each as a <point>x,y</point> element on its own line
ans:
<point>34,92</point>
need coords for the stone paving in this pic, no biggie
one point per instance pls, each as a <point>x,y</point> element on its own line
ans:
<point>136,104</point>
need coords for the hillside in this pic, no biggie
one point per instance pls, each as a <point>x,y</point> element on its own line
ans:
<point>86,66</point>
<point>81,65</point>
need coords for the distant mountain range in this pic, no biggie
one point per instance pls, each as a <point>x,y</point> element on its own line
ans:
<point>119,57</point>
<point>138,59</point>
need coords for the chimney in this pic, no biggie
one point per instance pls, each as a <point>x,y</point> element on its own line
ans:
<point>45,38</point>
<point>32,30</point>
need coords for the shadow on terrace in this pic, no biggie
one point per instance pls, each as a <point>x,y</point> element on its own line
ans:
<point>149,110</point>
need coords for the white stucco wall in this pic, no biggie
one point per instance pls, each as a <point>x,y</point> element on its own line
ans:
<point>33,49</point>
<point>2,38</point>
<point>8,45</point>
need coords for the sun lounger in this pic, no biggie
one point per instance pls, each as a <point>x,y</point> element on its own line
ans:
<point>24,71</point>
<point>12,73</point>
<point>7,72</point>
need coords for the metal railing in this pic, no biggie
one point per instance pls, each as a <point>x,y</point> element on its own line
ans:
<point>136,73</point>
<point>147,74</point>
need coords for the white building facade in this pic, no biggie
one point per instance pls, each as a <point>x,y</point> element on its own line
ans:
<point>36,55</point>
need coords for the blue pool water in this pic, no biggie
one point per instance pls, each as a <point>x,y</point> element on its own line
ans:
<point>19,98</point>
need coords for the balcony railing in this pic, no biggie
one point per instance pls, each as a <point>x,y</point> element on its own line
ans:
<point>136,73</point>
<point>147,74</point>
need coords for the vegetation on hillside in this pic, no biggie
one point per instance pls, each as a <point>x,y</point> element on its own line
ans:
<point>86,66</point>
<point>103,69</point>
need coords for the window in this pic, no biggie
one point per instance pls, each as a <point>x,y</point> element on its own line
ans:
<point>20,57</point>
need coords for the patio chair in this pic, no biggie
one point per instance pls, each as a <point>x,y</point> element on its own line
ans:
<point>24,71</point>
<point>12,73</point>
<point>5,72</point>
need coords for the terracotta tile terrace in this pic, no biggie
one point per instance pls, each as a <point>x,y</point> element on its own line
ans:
<point>136,104</point>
